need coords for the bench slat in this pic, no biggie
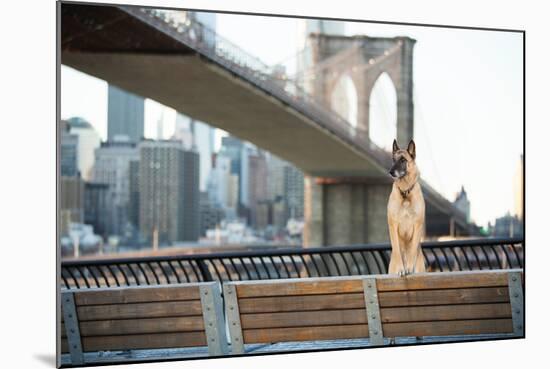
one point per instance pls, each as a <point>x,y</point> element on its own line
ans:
<point>446,312</point>
<point>443,281</point>
<point>301,303</point>
<point>137,326</point>
<point>278,288</point>
<point>305,334</point>
<point>140,310</point>
<point>446,328</point>
<point>304,319</point>
<point>144,341</point>
<point>144,294</point>
<point>444,297</point>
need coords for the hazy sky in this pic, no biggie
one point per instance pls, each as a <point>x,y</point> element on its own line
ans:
<point>468,101</point>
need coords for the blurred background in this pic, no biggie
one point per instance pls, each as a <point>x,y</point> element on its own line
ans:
<point>141,177</point>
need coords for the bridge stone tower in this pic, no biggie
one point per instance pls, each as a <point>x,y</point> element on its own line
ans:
<point>349,210</point>
<point>364,59</point>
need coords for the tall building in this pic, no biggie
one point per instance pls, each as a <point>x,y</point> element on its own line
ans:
<point>125,121</point>
<point>133,207</point>
<point>507,226</point>
<point>211,214</point>
<point>518,190</point>
<point>69,151</point>
<point>234,149</point>
<point>462,203</point>
<point>183,131</point>
<point>96,203</point>
<point>203,140</point>
<point>168,192</point>
<point>88,141</point>
<point>72,201</point>
<point>112,167</point>
<point>198,136</point>
<point>294,191</point>
<point>257,185</point>
<point>286,190</point>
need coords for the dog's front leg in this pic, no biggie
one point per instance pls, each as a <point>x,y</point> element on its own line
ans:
<point>416,258</point>
<point>396,262</point>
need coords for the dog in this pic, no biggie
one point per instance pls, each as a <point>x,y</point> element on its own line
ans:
<point>406,213</point>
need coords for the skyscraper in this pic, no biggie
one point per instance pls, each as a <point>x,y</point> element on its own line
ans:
<point>88,141</point>
<point>125,115</point>
<point>168,192</point>
<point>96,205</point>
<point>462,203</point>
<point>183,131</point>
<point>72,201</point>
<point>112,167</point>
<point>203,140</point>
<point>257,184</point>
<point>69,151</point>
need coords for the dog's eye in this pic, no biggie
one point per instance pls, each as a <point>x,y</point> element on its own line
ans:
<point>403,160</point>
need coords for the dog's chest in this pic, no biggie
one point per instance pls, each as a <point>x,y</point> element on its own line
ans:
<point>407,216</point>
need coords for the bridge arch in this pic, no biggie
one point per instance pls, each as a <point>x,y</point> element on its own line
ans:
<point>343,99</point>
<point>364,59</point>
<point>383,112</point>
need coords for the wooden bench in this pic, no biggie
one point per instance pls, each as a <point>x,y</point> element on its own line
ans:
<point>142,318</point>
<point>375,308</point>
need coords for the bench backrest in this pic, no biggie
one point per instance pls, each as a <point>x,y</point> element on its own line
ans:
<point>427,304</point>
<point>143,317</point>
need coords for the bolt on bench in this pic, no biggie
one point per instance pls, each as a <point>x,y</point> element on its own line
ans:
<point>142,318</point>
<point>371,310</point>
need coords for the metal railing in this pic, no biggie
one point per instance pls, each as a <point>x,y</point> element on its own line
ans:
<point>286,263</point>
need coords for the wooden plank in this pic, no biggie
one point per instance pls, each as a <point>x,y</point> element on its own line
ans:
<point>301,303</point>
<point>445,328</point>
<point>305,333</point>
<point>144,341</point>
<point>125,295</point>
<point>140,310</point>
<point>137,326</point>
<point>442,281</point>
<point>64,345</point>
<point>303,319</point>
<point>297,287</point>
<point>443,297</point>
<point>446,312</point>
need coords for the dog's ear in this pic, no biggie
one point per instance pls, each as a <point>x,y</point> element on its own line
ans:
<point>412,149</point>
<point>395,146</point>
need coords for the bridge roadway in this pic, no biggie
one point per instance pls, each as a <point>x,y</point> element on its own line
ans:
<point>146,55</point>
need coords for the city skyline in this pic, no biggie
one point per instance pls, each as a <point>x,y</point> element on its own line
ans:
<point>461,150</point>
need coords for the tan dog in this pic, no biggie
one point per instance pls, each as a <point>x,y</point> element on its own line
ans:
<point>406,210</point>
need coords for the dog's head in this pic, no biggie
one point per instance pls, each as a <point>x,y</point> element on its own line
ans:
<point>403,160</point>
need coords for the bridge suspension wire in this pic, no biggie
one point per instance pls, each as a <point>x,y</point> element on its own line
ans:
<point>424,130</point>
<point>339,57</point>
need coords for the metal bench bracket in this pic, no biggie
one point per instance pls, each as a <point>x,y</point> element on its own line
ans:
<point>71,327</point>
<point>515,290</point>
<point>376,336</point>
<point>212,313</point>
<point>233,318</point>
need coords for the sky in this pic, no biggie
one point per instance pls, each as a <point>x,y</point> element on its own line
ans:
<point>468,96</point>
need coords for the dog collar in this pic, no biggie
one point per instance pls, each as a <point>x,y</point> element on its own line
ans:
<point>406,193</point>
